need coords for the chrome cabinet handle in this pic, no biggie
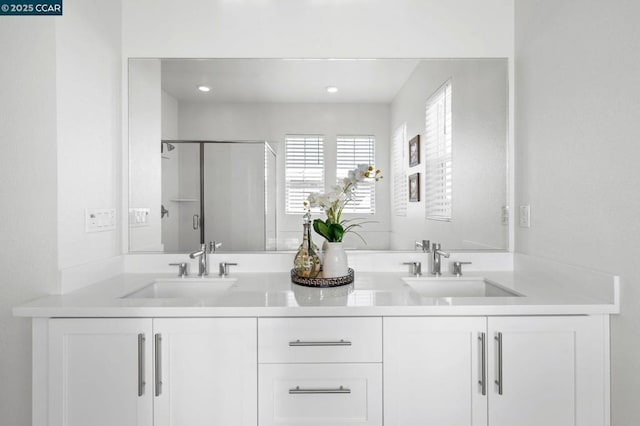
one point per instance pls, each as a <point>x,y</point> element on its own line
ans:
<point>141,382</point>
<point>483,369</point>
<point>330,343</point>
<point>498,381</point>
<point>307,391</point>
<point>158,362</point>
<point>196,221</point>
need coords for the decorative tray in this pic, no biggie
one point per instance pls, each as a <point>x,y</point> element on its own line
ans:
<point>322,282</point>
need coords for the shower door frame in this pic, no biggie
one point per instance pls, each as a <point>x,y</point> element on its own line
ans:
<point>202,143</point>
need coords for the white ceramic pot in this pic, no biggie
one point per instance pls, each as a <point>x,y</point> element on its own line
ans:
<point>335,260</point>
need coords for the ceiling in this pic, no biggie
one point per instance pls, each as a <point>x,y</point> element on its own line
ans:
<point>286,80</point>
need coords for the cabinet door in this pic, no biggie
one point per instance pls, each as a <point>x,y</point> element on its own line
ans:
<point>98,369</point>
<point>547,371</point>
<point>207,372</point>
<point>433,372</point>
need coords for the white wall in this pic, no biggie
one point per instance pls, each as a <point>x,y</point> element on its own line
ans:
<point>312,28</point>
<point>60,121</point>
<point>170,178</point>
<point>479,109</point>
<point>578,103</point>
<point>272,122</point>
<point>28,213</point>
<point>145,133</point>
<point>88,83</point>
<point>169,113</point>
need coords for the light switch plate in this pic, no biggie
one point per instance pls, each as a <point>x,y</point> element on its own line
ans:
<point>139,217</point>
<point>97,220</point>
<point>525,216</point>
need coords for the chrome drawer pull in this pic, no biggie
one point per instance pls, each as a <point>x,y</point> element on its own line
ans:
<point>141,381</point>
<point>340,343</point>
<point>158,359</point>
<point>483,370</point>
<point>298,391</point>
<point>499,380</point>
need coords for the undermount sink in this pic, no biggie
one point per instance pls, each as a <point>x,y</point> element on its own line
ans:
<point>457,287</point>
<point>183,288</point>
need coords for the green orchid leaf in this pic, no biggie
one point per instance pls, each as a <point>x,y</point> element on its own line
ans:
<point>321,228</point>
<point>359,236</point>
<point>336,231</point>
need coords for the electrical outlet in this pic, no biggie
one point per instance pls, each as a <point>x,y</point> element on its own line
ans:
<point>525,216</point>
<point>505,215</point>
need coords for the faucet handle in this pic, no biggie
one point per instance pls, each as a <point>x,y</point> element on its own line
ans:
<point>416,268</point>
<point>183,268</point>
<point>425,245</point>
<point>224,268</point>
<point>213,246</point>
<point>457,268</point>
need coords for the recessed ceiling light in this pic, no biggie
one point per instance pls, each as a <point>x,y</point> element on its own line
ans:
<point>204,88</point>
<point>332,89</point>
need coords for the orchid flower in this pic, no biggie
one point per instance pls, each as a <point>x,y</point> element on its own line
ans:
<point>334,202</point>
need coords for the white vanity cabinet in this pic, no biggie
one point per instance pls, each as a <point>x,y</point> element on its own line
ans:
<point>550,371</point>
<point>97,369</point>
<point>207,371</point>
<point>500,371</point>
<point>328,371</point>
<point>320,371</point>
<point>432,369</point>
<point>147,372</point>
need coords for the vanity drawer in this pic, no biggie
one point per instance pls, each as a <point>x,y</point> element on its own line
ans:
<point>320,394</point>
<point>282,340</point>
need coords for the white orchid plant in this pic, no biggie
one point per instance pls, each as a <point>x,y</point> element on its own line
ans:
<point>333,203</point>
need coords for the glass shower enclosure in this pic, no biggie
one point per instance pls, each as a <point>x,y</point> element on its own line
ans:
<point>218,191</point>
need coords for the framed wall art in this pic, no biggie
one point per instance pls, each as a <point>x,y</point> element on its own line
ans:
<point>414,151</point>
<point>414,188</point>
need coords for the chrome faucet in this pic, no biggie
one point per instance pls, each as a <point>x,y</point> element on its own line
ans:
<point>203,260</point>
<point>436,262</point>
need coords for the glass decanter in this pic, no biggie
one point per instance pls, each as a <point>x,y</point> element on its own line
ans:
<point>307,262</point>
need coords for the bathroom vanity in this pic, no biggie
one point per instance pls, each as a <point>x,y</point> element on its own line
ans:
<point>389,349</point>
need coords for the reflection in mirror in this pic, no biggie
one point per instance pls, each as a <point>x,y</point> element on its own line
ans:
<point>207,199</point>
<point>459,149</point>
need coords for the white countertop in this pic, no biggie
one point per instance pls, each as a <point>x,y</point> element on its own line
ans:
<point>372,294</point>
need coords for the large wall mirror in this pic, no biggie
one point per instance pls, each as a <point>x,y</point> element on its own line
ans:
<point>211,140</point>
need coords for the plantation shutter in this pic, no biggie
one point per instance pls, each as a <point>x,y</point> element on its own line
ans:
<point>304,169</point>
<point>400,190</point>
<point>438,159</point>
<point>353,151</point>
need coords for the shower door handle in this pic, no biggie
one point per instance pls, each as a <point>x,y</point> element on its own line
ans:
<point>196,221</point>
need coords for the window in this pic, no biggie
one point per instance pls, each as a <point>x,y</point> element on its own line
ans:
<point>438,160</point>
<point>304,165</point>
<point>400,191</point>
<point>351,152</point>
